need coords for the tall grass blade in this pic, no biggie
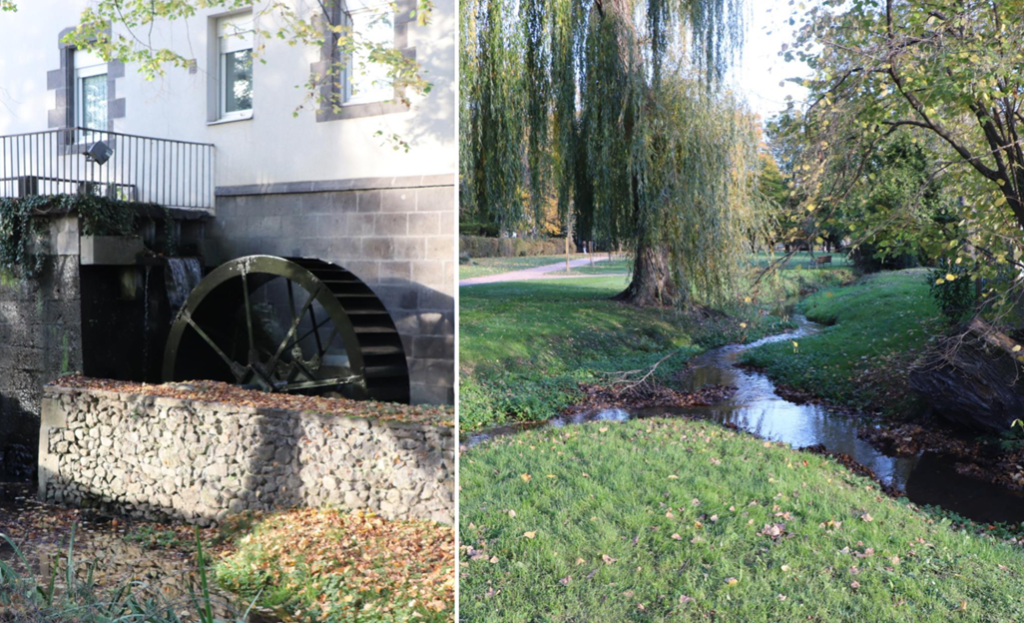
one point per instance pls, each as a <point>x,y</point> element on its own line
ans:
<point>17,551</point>
<point>71,560</point>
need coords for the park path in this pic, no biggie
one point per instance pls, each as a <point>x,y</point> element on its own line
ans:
<point>537,272</point>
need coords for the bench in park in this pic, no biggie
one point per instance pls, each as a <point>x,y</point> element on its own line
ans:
<point>821,260</point>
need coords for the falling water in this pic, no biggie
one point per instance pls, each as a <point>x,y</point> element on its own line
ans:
<point>183,274</point>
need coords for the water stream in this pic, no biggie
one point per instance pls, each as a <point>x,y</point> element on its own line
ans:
<point>755,407</point>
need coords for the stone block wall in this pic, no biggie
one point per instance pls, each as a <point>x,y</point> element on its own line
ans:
<point>396,234</point>
<point>40,339</point>
<point>157,457</point>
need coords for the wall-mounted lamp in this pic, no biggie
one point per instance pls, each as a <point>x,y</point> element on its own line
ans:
<point>99,152</point>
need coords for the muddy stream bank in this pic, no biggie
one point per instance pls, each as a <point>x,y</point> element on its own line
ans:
<point>755,406</point>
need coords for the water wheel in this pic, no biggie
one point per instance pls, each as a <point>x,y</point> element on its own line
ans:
<point>288,325</point>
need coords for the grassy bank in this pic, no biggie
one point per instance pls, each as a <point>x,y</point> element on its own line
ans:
<point>877,327</point>
<point>668,520</point>
<point>525,346</point>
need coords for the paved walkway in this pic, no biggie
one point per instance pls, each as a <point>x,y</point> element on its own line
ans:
<point>539,272</point>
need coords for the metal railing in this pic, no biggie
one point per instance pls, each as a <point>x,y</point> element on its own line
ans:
<point>171,173</point>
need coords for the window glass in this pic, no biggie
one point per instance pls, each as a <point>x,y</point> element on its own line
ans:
<point>238,81</point>
<point>368,81</point>
<point>94,102</point>
<point>90,96</point>
<point>236,68</point>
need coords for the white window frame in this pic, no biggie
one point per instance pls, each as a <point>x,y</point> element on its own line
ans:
<point>86,66</point>
<point>234,34</point>
<point>381,94</point>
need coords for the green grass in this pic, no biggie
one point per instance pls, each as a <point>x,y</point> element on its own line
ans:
<point>679,508</point>
<point>525,346</point>
<point>877,328</point>
<point>801,259</point>
<point>605,267</point>
<point>485,266</point>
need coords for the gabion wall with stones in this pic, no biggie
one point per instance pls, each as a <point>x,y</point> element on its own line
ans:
<point>157,457</point>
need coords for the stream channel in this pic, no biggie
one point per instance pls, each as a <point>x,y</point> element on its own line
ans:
<point>755,407</point>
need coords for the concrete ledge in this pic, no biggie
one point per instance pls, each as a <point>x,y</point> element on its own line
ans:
<point>111,250</point>
<point>326,186</point>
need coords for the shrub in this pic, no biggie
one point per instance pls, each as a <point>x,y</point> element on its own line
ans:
<point>480,246</point>
<point>954,296</point>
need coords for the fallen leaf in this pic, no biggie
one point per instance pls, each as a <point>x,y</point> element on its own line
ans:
<point>608,559</point>
<point>731,581</point>
<point>529,535</point>
<point>526,477</point>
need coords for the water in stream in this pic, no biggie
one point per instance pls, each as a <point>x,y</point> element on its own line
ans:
<point>755,407</point>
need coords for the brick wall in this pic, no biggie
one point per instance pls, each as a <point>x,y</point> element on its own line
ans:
<point>396,234</point>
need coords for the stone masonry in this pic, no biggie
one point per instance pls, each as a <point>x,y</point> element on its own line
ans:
<point>40,339</point>
<point>159,457</point>
<point>395,234</point>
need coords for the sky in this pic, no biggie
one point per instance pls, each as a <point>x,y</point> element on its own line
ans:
<point>761,69</point>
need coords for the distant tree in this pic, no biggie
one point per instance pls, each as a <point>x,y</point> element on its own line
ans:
<point>786,223</point>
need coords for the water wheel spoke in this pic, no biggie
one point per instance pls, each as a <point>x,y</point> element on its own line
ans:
<point>239,371</point>
<point>316,333</point>
<point>300,368</point>
<point>248,317</point>
<point>295,326</point>
<point>315,329</point>
<point>330,340</point>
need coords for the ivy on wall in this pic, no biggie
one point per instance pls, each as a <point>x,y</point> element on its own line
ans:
<point>26,219</point>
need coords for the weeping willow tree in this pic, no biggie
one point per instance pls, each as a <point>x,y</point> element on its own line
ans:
<point>613,109</point>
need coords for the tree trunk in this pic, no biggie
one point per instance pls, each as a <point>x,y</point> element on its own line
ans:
<point>652,284</point>
<point>972,379</point>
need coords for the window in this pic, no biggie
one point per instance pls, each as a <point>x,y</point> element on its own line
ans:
<point>235,67</point>
<point>90,92</point>
<point>367,81</point>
